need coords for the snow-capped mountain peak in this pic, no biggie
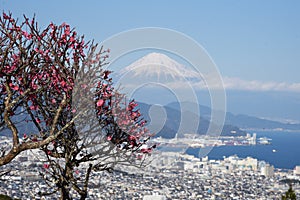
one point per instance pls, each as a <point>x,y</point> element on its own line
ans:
<point>159,65</point>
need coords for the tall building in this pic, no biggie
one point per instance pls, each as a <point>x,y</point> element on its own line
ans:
<point>241,163</point>
<point>297,171</point>
<point>254,139</point>
<point>267,170</point>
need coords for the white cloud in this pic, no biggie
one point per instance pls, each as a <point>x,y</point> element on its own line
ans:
<point>255,85</point>
<point>232,83</point>
<point>159,68</point>
<point>229,83</point>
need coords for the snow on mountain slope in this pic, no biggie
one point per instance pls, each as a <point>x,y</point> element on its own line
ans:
<point>160,66</point>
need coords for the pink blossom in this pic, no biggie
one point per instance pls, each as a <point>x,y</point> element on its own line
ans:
<point>63,83</point>
<point>106,95</point>
<point>100,102</point>
<point>51,25</point>
<point>147,150</point>
<point>143,123</point>
<point>6,16</point>
<point>14,87</point>
<point>72,39</point>
<point>53,101</point>
<point>46,166</point>
<point>67,30</point>
<point>38,120</point>
<point>26,35</point>
<point>132,105</point>
<point>32,107</point>
<point>135,115</point>
<point>34,86</point>
<point>131,137</point>
<point>109,138</point>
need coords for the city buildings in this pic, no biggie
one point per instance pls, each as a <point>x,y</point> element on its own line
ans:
<point>171,175</point>
<point>297,171</point>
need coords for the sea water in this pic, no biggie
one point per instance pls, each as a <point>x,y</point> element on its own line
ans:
<point>283,152</point>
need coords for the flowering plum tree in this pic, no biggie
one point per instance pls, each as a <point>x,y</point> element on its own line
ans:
<point>119,135</point>
<point>37,71</point>
<point>55,83</point>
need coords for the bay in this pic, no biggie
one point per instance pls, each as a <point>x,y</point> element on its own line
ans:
<point>283,152</point>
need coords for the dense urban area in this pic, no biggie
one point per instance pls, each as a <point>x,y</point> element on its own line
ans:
<point>170,176</point>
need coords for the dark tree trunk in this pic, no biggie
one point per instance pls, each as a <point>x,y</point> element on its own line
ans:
<point>64,194</point>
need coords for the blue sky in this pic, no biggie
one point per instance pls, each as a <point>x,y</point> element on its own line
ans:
<point>248,40</point>
<point>255,44</point>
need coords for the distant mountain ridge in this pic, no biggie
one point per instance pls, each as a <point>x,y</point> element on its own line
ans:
<point>168,70</point>
<point>244,121</point>
<point>250,122</point>
<point>173,121</point>
<point>233,123</point>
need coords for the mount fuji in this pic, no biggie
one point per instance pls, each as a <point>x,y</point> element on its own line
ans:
<point>158,66</point>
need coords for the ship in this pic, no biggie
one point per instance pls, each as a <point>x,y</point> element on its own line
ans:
<point>264,140</point>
